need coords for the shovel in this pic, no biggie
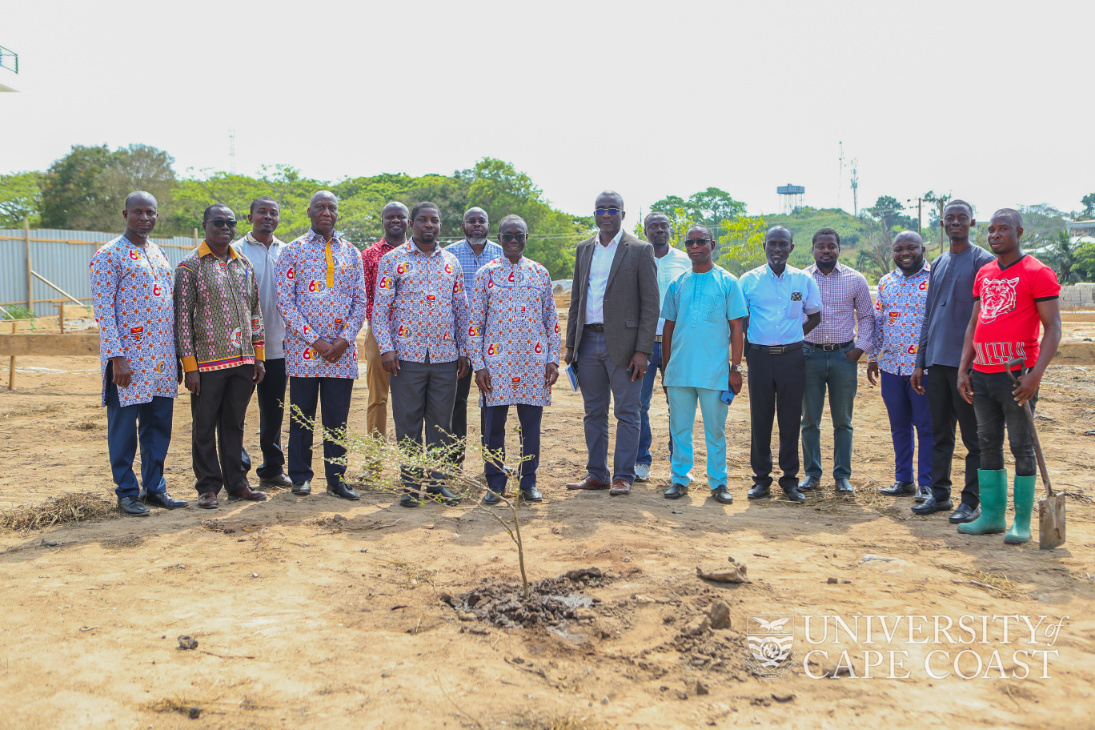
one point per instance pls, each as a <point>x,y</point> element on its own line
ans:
<point>1051,510</point>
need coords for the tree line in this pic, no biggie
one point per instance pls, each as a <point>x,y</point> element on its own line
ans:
<point>85,190</point>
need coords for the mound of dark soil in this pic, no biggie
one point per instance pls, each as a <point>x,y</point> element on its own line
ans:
<point>551,602</point>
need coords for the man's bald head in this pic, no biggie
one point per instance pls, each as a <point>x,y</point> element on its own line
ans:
<point>325,195</point>
<point>1009,214</point>
<point>141,198</point>
<point>780,231</point>
<point>610,199</point>
<point>908,236</point>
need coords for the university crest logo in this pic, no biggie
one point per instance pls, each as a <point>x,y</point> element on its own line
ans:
<point>997,298</point>
<point>771,651</point>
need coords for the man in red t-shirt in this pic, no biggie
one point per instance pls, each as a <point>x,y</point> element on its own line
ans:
<point>1012,297</point>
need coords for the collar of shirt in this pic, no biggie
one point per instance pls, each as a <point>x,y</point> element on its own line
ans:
<point>839,268</point>
<point>251,239</point>
<point>925,269</point>
<point>413,248</point>
<point>787,269</point>
<point>615,239</point>
<point>204,250</point>
<point>314,237</point>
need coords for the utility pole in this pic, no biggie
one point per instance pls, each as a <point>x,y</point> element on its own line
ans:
<point>855,187</point>
<point>232,150</point>
<point>840,174</point>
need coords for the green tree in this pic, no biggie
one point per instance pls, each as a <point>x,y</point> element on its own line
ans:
<point>86,189</point>
<point>708,207</point>
<point>1088,201</point>
<point>20,198</point>
<point>741,243</point>
<point>71,195</point>
<point>1062,254</point>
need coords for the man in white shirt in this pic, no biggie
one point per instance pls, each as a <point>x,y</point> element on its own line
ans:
<point>671,262</point>
<point>262,248</point>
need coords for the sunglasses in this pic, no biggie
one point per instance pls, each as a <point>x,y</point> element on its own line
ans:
<point>609,211</point>
<point>221,222</point>
<point>689,242</point>
<point>513,237</point>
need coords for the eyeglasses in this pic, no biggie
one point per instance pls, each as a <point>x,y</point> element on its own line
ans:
<point>688,242</point>
<point>609,211</point>
<point>221,222</point>
<point>514,237</point>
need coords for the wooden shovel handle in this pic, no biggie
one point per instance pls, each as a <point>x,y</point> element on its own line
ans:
<point>1029,410</point>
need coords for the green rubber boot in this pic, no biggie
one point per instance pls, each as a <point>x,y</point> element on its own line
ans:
<point>993,486</point>
<point>1024,504</point>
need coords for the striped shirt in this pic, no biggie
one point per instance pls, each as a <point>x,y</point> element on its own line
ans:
<point>845,301</point>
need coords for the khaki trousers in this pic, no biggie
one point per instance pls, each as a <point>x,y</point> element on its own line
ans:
<point>376,379</point>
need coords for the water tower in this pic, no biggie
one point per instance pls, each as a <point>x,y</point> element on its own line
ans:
<point>9,67</point>
<point>791,196</point>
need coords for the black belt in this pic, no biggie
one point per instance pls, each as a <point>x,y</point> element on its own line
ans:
<point>831,348</point>
<point>599,327</point>
<point>778,349</point>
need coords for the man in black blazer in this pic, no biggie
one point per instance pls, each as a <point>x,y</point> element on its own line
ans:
<point>610,334</point>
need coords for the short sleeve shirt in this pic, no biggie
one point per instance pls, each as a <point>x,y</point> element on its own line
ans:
<point>777,303</point>
<point>1008,324</point>
<point>673,264</point>
<point>701,306</point>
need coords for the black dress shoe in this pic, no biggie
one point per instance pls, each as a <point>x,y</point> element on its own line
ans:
<point>930,506</point>
<point>302,488</point>
<point>342,491</point>
<point>132,506</point>
<point>676,491</point>
<point>898,489</point>
<point>531,494</point>
<point>281,481</point>
<point>444,496</point>
<point>794,494</point>
<point>843,486</point>
<point>409,499</point>
<point>759,491</point>
<point>491,498</point>
<point>722,494</point>
<point>809,483</point>
<point>964,513</point>
<point>922,494</point>
<point>165,500</point>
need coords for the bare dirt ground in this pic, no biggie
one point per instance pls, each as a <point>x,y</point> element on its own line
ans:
<point>315,612</point>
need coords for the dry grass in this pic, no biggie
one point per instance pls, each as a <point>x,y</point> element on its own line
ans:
<point>88,425</point>
<point>32,411</point>
<point>992,583</point>
<point>76,507</point>
<point>567,722</point>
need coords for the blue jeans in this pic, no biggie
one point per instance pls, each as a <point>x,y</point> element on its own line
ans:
<point>645,436</point>
<point>908,410</point>
<point>682,404</point>
<point>146,423</point>
<point>841,375</point>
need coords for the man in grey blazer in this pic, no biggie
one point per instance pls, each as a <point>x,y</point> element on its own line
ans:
<point>610,336</point>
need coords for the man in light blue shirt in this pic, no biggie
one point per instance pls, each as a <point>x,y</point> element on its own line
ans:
<point>671,262</point>
<point>473,253</point>
<point>697,308</point>
<point>777,295</point>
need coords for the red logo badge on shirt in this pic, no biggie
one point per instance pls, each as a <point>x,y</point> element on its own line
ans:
<point>134,255</point>
<point>458,287</point>
<point>237,337</point>
<point>473,331</point>
<point>403,268</point>
<point>136,333</point>
<point>511,278</point>
<point>448,268</point>
<point>997,298</point>
<point>310,354</point>
<point>515,380</point>
<point>404,331</point>
<point>255,324</point>
<point>556,328</point>
<point>289,273</point>
<point>159,367</point>
<point>494,350</point>
<point>316,286</point>
<point>157,290</point>
<point>924,285</point>
<point>385,283</point>
<point>431,298</point>
<point>913,349</point>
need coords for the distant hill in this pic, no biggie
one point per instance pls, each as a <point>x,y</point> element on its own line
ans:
<point>805,221</point>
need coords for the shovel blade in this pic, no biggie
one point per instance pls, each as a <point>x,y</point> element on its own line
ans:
<point>1051,522</point>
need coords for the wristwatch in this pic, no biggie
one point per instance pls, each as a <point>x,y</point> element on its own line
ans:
<point>737,368</point>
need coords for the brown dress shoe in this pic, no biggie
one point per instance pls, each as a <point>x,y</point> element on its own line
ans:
<point>207,501</point>
<point>620,487</point>
<point>587,483</point>
<point>249,494</point>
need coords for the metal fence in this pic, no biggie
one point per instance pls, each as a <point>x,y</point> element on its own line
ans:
<point>57,267</point>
